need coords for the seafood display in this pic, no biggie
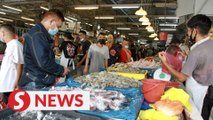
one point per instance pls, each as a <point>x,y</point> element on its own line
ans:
<point>105,79</point>
<point>145,63</point>
<point>38,115</point>
<point>122,67</point>
<point>101,100</point>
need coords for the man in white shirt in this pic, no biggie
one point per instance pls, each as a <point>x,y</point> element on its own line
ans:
<point>12,63</point>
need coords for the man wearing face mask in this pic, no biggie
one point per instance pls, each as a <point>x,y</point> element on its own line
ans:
<point>98,56</point>
<point>198,68</point>
<point>40,68</point>
<point>125,54</point>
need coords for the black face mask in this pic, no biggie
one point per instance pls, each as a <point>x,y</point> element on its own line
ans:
<point>102,41</point>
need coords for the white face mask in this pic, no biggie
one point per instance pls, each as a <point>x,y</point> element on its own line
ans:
<point>126,46</point>
<point>82,39</point>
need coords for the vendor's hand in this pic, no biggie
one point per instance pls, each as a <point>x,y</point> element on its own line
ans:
<point>162,56</point>
<point>66,71</point>
<point>85,70</point>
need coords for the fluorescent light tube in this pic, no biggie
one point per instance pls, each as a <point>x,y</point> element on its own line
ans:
<point>118,23</point>
<point>86,7</point>
<point>167,29</point>
<point>12,8</point>
<point>68,19</point>
<point>133,34</point>
<point>3,13</point>
<point>169,25</point>
<point>168,18</point>
<point>29,19</point>
<point>32,24</point>
<point>119,28</point>
<point>88,24</point>
<point>44,8</point>
<point>104,17</point>
<point>72,18</point>
<point>5,19</point>
<point>124,6</point>
<point>1,21</point>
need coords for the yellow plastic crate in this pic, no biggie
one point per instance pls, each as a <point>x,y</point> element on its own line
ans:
<point>132,75</point>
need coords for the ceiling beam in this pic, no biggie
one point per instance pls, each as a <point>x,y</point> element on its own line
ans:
<point>135,16</point>
<point>173,4</point>
<point>22,2</point>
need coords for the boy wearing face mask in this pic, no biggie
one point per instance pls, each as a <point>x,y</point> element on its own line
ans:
<point>40,68</point>
<point>125,54</point>
<point>98,56</point>
<point>85,44</point>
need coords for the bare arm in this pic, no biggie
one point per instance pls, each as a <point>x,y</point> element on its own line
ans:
<point>106,63</point>
<point>82,60</point>
<point>86,66</point>
<point>178,75</point>
<point>19,73</point>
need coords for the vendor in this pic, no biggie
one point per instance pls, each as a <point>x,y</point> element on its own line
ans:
<point>197,70</point>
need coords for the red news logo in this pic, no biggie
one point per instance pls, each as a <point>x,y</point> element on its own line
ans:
<point>49,100</point>
<point>21,100</point>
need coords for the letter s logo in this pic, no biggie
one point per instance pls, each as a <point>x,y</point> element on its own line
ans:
<point>19,100</point>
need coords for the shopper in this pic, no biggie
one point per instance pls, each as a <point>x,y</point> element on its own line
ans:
<point>68,53</point>
<point>142,52</point>
<point>40,68</point>
<point>101,35</point>
<point>133,51</point>
<point>113,50</point>
<point>125,54</point>
<point>98,56</point>
<point>197,70</point>
<point>85,44</point>
<point>12,63</point>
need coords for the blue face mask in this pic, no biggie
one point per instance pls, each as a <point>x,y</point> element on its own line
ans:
<point>53,31</point>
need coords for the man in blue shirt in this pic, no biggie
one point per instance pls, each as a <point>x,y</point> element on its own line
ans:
<point>40,69</point>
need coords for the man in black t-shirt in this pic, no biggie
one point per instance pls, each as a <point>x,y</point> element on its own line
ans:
<point>85,44</point>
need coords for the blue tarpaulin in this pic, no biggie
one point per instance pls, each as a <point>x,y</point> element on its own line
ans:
<point>127,113</point>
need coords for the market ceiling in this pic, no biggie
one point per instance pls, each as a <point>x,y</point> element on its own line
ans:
<point>104,14</point>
